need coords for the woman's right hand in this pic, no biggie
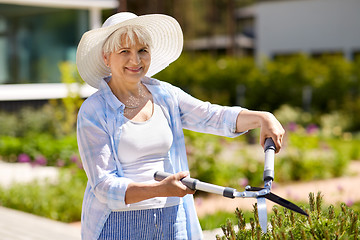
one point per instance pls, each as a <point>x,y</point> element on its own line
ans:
<point>172,186</point>
<point>169,187</point>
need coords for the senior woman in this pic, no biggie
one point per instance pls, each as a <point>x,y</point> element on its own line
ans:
<point>133,126</point>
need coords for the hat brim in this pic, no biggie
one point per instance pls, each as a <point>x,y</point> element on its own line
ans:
<point>167,44</point>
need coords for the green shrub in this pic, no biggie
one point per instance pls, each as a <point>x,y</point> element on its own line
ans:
<point>348,146</point>
<point>54,151</point>
<point>298,165</point>
<point>207,77</point>
<point>322,223</point>
<point>29,121</point>
<point>10,148</point>
<point>60,200</point>
<point>71,104</point>
<point>214,220</point>
<point>309,157</point>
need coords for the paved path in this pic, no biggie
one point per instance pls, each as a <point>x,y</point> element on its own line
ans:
<point>24,172</point>
<point>17,225</point>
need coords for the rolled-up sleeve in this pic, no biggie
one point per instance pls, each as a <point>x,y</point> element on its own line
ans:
<point>205,117</point>
<point>99,163</point>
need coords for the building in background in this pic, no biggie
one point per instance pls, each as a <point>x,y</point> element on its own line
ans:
<point>316,27</point>
<point>271,29</point>
<point>37,35</point>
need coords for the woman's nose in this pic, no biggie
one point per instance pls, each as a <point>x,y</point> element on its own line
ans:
<point>135,58</point>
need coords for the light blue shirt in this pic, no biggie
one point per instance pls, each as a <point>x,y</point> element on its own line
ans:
<point>99,127</point>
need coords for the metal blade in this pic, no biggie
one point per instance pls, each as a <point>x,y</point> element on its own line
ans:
<point>262,212</point>
<point>285,203</point>
<point>254,189</point>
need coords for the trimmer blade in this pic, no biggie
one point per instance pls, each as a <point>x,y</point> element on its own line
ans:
<point>262,212</point>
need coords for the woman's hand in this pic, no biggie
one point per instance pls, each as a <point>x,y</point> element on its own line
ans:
<point>173,187</point>
<point>169,187</point>
<point>269,126</point>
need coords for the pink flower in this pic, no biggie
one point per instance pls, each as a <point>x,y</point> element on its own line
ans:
<point>40,160</point>
<point>292,127</point>
<point>74,158</point>
<point>79,165</point>
<point>24,158</point>
<point>60,163</point>
<point>312,128</point>
<point>243,182</point>
<point>349,202</point>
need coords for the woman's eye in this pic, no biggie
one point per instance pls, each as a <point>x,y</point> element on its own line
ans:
<point>122,51</point>
<point>143,50</point>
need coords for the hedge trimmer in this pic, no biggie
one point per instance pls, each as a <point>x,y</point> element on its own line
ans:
<point>250,192</point>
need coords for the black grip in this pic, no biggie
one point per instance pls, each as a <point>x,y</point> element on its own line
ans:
<point>158,176</point>
<point>269,144</point>
<point>229,192</point>
<point>187,181</point>
<point>190,182</point>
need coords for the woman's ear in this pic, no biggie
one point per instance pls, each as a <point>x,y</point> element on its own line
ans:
<point>106,59</point>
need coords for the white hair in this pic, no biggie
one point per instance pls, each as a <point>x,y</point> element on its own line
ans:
<point>126,36</point>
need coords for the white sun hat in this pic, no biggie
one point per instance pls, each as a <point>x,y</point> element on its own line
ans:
<point>166,37</point>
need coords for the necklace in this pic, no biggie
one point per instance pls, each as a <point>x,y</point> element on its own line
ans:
<point>135,102</point>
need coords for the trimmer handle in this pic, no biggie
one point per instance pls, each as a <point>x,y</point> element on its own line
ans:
<point>269,149</point>
<point>187,181</point>
<point>195,184</point>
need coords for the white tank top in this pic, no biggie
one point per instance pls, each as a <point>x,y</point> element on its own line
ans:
<point>143,150</point>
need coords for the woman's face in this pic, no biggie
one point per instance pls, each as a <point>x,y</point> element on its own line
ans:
<point>129,63</point>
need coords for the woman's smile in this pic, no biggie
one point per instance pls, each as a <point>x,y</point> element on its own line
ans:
<point>134,69</point>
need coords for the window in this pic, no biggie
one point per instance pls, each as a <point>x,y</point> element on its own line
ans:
<point>35,40</point>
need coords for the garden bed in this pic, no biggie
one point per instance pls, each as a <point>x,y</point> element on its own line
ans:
<point>335,190</point>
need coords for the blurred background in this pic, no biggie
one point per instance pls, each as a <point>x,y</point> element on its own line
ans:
<point>299,59</point>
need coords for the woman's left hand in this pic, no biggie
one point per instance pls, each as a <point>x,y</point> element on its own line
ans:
<point>269,126</point>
